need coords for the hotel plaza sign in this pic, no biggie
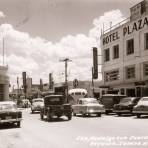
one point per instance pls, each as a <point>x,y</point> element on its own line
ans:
<point>127,30</point>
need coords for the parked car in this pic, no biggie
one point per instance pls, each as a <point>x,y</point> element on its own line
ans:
<point>141,108</point>
<point>55,106</point>
<point>109,100</point>
<point>25,103</point>
<point>88,106</point>
<point>9,113</point>
<point>37,104</point>
<point>126,105</point>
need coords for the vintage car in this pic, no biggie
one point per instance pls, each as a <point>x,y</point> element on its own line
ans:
<point>141,108</point>
<point>109,100</point>
<point>55,106</point>
<point>88,106</point>
<point>37,104</point>
<point>9,113</point>
<point>126,105</point>
<point>24,103</point>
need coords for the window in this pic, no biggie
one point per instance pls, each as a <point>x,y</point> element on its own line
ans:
<point>116,51</point>
<point>106,55</point>
<point>112,75</point>
<point>130,72</point>
<point>130,46</point>
<point>146,41</point>
<point>145,69</point>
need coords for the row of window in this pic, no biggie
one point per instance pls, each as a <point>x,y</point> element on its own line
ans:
<point>129,48</point>
<point>130,73</point>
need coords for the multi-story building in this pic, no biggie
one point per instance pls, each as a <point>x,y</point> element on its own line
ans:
<point>4,83</point>
<point>125,54</point>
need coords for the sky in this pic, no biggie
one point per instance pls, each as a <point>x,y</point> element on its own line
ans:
<point>39,33</point>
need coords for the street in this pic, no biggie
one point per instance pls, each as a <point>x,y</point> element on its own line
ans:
<point>80,132</point>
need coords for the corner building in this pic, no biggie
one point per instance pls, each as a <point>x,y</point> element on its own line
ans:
<point>125,54</point>
<point>4,84</point>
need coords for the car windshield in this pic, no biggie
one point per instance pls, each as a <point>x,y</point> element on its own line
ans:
<point>125,100</point>
<point>7,106</point>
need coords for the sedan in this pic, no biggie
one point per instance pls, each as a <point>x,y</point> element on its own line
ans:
<point>9,113</point>
<point>126,105</point>
<point>88,106</point>
<point>37,104</point>
<point>141,108</point>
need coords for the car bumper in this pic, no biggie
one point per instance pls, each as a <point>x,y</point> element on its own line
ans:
<point>122,111</point>
<point>10,120</point>
<point>94,111</point>
<point>140,112</point>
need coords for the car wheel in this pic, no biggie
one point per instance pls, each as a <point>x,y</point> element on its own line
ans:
<point>106,112</point>
<point>74,114</point>
<point>69,117</point>
<point>18,124</point>
<point>119,114</point>
<point>99,114</point>
<point>41,115</point>
<point>49,118</point>
<point>138,115</point>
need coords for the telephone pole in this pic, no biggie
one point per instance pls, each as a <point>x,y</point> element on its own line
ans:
<point>66,60</point>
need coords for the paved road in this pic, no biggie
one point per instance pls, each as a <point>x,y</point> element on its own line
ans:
<point>80,132</point>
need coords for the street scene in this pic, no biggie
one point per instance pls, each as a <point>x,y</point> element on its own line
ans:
<point>73,74</point>
<point>79,132</point>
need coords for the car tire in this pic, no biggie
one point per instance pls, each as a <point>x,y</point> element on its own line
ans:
<point>49,118</point>
<point>74,114</point>
<point>18,124</point>
<point>69,117</point>
<point>42,116</point>
<point>119,114</point>
<point>99,114</point>
<point>138,115</point>
<point>106,112</point>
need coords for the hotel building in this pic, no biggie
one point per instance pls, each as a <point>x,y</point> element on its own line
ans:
<point>125,54</point>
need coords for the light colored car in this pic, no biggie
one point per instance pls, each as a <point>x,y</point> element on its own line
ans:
<point>37,104</point>
<point>9,113</point>
<point>88,106</point>
<point>141,108</point>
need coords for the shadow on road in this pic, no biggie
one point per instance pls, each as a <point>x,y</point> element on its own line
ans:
<point>141,117</point>
<point>124,115</point>
<point>87,116</point>
<point>7,126</point>
<point>55,120</point>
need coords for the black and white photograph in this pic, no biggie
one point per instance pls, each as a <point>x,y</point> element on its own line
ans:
<point>73,73</point>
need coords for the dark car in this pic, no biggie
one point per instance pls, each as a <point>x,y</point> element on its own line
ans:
<point>9,113</point>
<point>126,105</point>
<point>141,108</point>
<point>55,106</point>
<point>109,100</point>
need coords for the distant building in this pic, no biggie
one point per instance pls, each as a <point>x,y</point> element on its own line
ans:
<point>4,83</point>
<point>125,54</point>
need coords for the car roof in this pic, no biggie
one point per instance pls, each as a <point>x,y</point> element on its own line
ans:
<point>77,90</point>
<point>7,102</point>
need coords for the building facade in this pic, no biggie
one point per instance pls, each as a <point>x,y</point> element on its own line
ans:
<point>125,54</point>
<point>4,84</point>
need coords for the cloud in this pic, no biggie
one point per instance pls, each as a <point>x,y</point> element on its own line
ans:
<point>2,15</point>
<point>38,57</point>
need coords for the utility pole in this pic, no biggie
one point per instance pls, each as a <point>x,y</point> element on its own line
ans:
<point>66,60</point>
<point>18,92</point>
<point>92,80</point>
<point>3,50</point>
